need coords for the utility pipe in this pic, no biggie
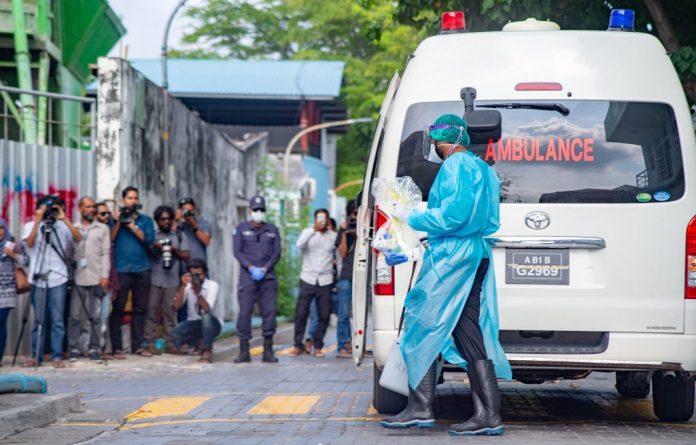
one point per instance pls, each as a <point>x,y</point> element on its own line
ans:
<point>24,71</point>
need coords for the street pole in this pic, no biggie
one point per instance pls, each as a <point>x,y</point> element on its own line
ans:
<point>288,150</point>
<point>165,97</point>
<point>293,141</point>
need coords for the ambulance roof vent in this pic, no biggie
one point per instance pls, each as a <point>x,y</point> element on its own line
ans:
<point>532,25</point>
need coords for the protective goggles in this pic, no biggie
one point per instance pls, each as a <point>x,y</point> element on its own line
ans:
<point>427,136</point>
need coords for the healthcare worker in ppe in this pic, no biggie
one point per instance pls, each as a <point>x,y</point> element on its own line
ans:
<point>452,309</point>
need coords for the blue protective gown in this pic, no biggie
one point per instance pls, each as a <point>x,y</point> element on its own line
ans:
<point>463,207</point>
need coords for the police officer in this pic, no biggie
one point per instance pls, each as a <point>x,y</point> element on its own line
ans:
<point>257,248</point>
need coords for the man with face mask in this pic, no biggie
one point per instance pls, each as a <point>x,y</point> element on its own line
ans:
<point>257,248</point>
<point>452,309</point>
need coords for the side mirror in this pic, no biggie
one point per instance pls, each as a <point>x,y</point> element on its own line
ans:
<point>483,125</point>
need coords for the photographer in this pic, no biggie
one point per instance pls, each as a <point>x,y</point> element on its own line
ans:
<point>168,252</point>
<point>345,241</point>
<point>49,239</point>
<point>197,232</point>
<point>204,321</point>
<point>93,259</point>
<point>132,233</point>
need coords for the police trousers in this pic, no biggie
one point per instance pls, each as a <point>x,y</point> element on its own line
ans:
<point>265,294</point>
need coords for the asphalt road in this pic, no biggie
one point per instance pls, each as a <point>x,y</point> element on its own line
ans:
<point>307,400</point>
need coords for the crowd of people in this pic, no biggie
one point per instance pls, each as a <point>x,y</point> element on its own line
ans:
<point>120,269</point>
<point>82,274</point>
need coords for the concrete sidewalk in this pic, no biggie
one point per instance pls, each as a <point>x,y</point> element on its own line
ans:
<point>19,412</point>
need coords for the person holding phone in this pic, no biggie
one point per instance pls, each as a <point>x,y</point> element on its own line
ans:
<point>317,244</point>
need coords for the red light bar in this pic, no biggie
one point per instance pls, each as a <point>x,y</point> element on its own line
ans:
<point>453,21</point>
<point>538,86</point>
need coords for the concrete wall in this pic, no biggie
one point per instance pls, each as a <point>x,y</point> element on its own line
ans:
<point>220,174</point>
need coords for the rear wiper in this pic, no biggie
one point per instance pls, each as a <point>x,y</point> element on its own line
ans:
<point>550,107</point>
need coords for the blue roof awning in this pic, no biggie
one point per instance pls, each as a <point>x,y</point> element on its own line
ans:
<point>286,79</point>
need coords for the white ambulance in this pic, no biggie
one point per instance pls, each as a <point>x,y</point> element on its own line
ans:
<point>595,258</point>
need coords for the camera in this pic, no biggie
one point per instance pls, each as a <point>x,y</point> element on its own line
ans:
<point>187,213</point>
<point>196,280</point>
<point>52,210</point>
<point>127,213</point>
<point>166,253</point>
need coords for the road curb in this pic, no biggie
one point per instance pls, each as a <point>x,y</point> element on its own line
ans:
<point>43,411</point>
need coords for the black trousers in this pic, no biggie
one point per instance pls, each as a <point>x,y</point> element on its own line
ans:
<point>467,333</point>
<point>139,284</point>
<point>265,294</point>
<point>309,292</point>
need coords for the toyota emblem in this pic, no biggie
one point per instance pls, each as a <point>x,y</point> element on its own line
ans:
<point>537,220</point>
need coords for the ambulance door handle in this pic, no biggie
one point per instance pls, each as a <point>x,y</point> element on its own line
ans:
<point>547,242</point>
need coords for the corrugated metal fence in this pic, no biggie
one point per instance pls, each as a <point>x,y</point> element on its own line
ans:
<point>32,171</point>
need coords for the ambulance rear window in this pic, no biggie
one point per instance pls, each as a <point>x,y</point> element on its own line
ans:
<point>600,152</point>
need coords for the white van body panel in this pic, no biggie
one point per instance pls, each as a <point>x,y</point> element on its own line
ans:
<point>633,288</point>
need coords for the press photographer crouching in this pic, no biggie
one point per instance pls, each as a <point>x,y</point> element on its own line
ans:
<point>132,233</point>
<point>204,323</point>
<point>49,239</point>
<point>169,250</point>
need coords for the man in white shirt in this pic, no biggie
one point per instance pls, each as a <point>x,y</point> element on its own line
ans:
<point>204,309</point>
<point>48,273</point>
<point>316,280</point>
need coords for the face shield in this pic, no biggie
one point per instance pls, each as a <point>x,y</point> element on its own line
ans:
<point>429,151</point>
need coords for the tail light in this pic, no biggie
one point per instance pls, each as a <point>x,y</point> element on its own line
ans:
<point>384,277</point>
<point>538,86</point>
<point>690,285</point>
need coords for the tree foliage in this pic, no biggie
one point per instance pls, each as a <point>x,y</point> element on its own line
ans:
<point>364,34</point>
<point>487,15</point>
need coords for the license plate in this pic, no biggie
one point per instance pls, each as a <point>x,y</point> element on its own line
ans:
<point>531,266</point>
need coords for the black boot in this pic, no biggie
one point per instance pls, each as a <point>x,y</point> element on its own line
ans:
<point>419,411</point>
<point>244,356</point>
<point>268,356</point>
<point>486,397</point>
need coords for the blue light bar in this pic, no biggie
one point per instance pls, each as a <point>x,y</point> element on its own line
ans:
<point>622,20</point>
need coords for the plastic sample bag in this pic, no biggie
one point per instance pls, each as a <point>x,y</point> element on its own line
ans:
<point>397,197</point>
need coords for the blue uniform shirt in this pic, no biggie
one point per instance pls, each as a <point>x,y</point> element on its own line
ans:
<point>130,254</point>
<point>258,247</point>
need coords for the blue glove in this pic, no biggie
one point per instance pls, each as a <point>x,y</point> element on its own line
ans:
<point>394,259</point>
<point>256,273</point>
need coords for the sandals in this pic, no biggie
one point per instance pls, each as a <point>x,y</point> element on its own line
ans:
<point>318,353</point>
<point>143,352</point>
<point>30,363</point>
<point>296,352</point>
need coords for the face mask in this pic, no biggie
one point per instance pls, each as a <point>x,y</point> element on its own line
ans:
<point>258,217</point>
<point>433,156</point>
